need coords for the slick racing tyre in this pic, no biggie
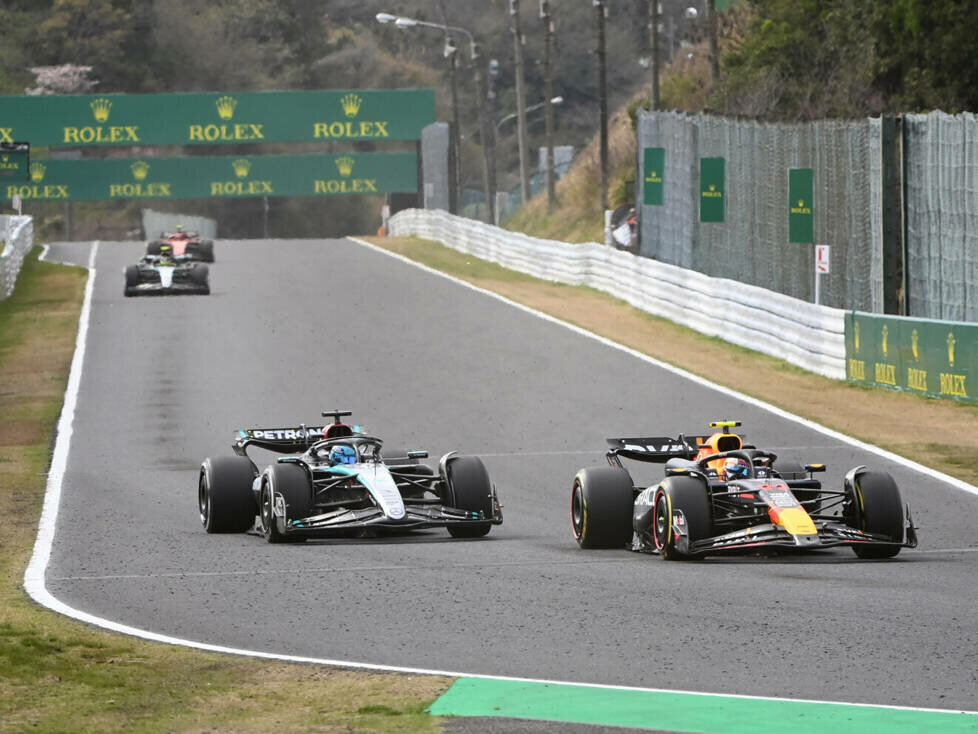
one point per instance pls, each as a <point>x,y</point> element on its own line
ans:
<point>199,275</point>
<point>207,251</point>
<point>875,506</point>
<point>601,507</point>
<point>292,483</point>
<point>467,487</point>
<point>153,248</point>
<point>132,279</point>
<point>688,496</point>
<point>224,494</point>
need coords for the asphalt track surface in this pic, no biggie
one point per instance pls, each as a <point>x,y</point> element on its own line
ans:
<point>293,327</point>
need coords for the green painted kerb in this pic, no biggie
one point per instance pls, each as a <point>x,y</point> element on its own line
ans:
<point>685,712</point>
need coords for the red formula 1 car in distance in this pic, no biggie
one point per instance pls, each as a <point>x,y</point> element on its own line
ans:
<point>721,495</point>
<point>183,243</point>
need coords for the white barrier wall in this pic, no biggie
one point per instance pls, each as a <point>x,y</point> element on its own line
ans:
<point>16,240</point>
<point>809,336</point>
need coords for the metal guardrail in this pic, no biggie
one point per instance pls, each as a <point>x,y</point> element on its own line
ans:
<point>804,334</point>
<point>18,238</point>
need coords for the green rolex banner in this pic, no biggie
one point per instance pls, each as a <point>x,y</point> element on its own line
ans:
<point>923,356</point>
<point>801,205</point>
<point>653,176</point>
<point>204,177</point>
<point>81,120</point>
<point>712,189</point>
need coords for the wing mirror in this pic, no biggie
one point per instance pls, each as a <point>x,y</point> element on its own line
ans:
<point>814,467</point>
<point>417,454</point>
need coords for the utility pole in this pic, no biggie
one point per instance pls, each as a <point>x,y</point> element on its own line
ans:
<point>548,80</point>
<point>514,16</point>
<point>455,202</point>
<point>711,20</point>
<point>488,166</point>
<point>603,96</point>
<point>656,102</point>
<point>489,144</point>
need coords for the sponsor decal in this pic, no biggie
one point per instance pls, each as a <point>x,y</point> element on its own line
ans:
<point>345,184</point>
<point>917,379</point>
<point>653,177</point>
<point>226,132</point>
<point>9,164</point>
<point>712,193</point>
<point>283,434</point>
<point>885,373</point>
<point>857,369</point>
<point>101,133</point>
<point>952,384</point>
<point>801,208</point>
<point>6,135</point>
<point>241,168</point>
<point>35,190</point>
<point>140,189</point>
<point>351,128</point>
<point>915,345</point>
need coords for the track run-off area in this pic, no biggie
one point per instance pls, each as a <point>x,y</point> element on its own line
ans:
<point>425,362</point>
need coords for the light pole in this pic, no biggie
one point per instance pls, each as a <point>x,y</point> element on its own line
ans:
<point>402,22</point>
<point>548,80</point>
<point>451,51</point>
<point>603,98</point>
<point>531,108</point>
<point>514,15</point>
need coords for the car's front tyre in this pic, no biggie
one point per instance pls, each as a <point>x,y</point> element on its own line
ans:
<point>291,483</point>
<point>602,500</point>
<point>224,495</point>
<point>467,487</point>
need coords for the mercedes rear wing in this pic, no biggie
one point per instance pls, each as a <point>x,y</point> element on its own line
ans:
<point>281,440</point>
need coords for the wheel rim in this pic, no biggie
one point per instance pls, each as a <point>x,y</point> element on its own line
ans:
<point>203,502</point>
<point>577,510</point>
<point>267,517</point>
<point>661,520</point>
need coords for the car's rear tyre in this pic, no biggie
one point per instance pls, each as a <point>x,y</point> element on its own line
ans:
<point>224,495</point>
<point>690,496</point>
<point>207,250</point>
<point>602,500</point>
<point>875,506</point>
<point>292,482</point>
<point>153,248</point>
<point>467,487</point>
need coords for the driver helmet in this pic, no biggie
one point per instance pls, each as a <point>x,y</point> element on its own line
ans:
<point>166,253</point>
<point>342,455</point>
<point>735,468</point>
<point>179,228</point>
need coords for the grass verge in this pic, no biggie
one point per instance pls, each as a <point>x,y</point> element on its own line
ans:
<point>888,419</point>
<point>57,675</point>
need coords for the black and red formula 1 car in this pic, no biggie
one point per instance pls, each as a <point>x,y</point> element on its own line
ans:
<point>183,243</point>
<point>721,495</point>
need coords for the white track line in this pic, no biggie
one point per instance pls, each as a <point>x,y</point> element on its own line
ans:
<point>34,577</point>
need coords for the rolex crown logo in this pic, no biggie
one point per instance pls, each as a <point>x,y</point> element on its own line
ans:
<point>351,104</point>
<point>801,203</point>
<point>139,170</point>
<point>915,344</point>
<point>5,157</point>
<point>101,108</point>
<point>886,333</point>
<point>241,167</point>
<point>950,348</point>
<point>225,107</point>
<point>38,170</point>
<point>344,165</point>
<point>855,334</point>
<point>713,187</point>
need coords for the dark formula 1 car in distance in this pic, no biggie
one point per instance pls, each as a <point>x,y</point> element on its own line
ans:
<point>337,481</point>
<point>721,495</point>
<point>183,243</point>
<point>166,274</point>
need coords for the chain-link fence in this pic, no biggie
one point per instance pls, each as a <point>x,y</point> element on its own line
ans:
<point>751,244</point>
<point>941,189</point>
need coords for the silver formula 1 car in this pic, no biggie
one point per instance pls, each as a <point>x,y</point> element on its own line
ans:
<point>167,274</point>
<point>336,481</point>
